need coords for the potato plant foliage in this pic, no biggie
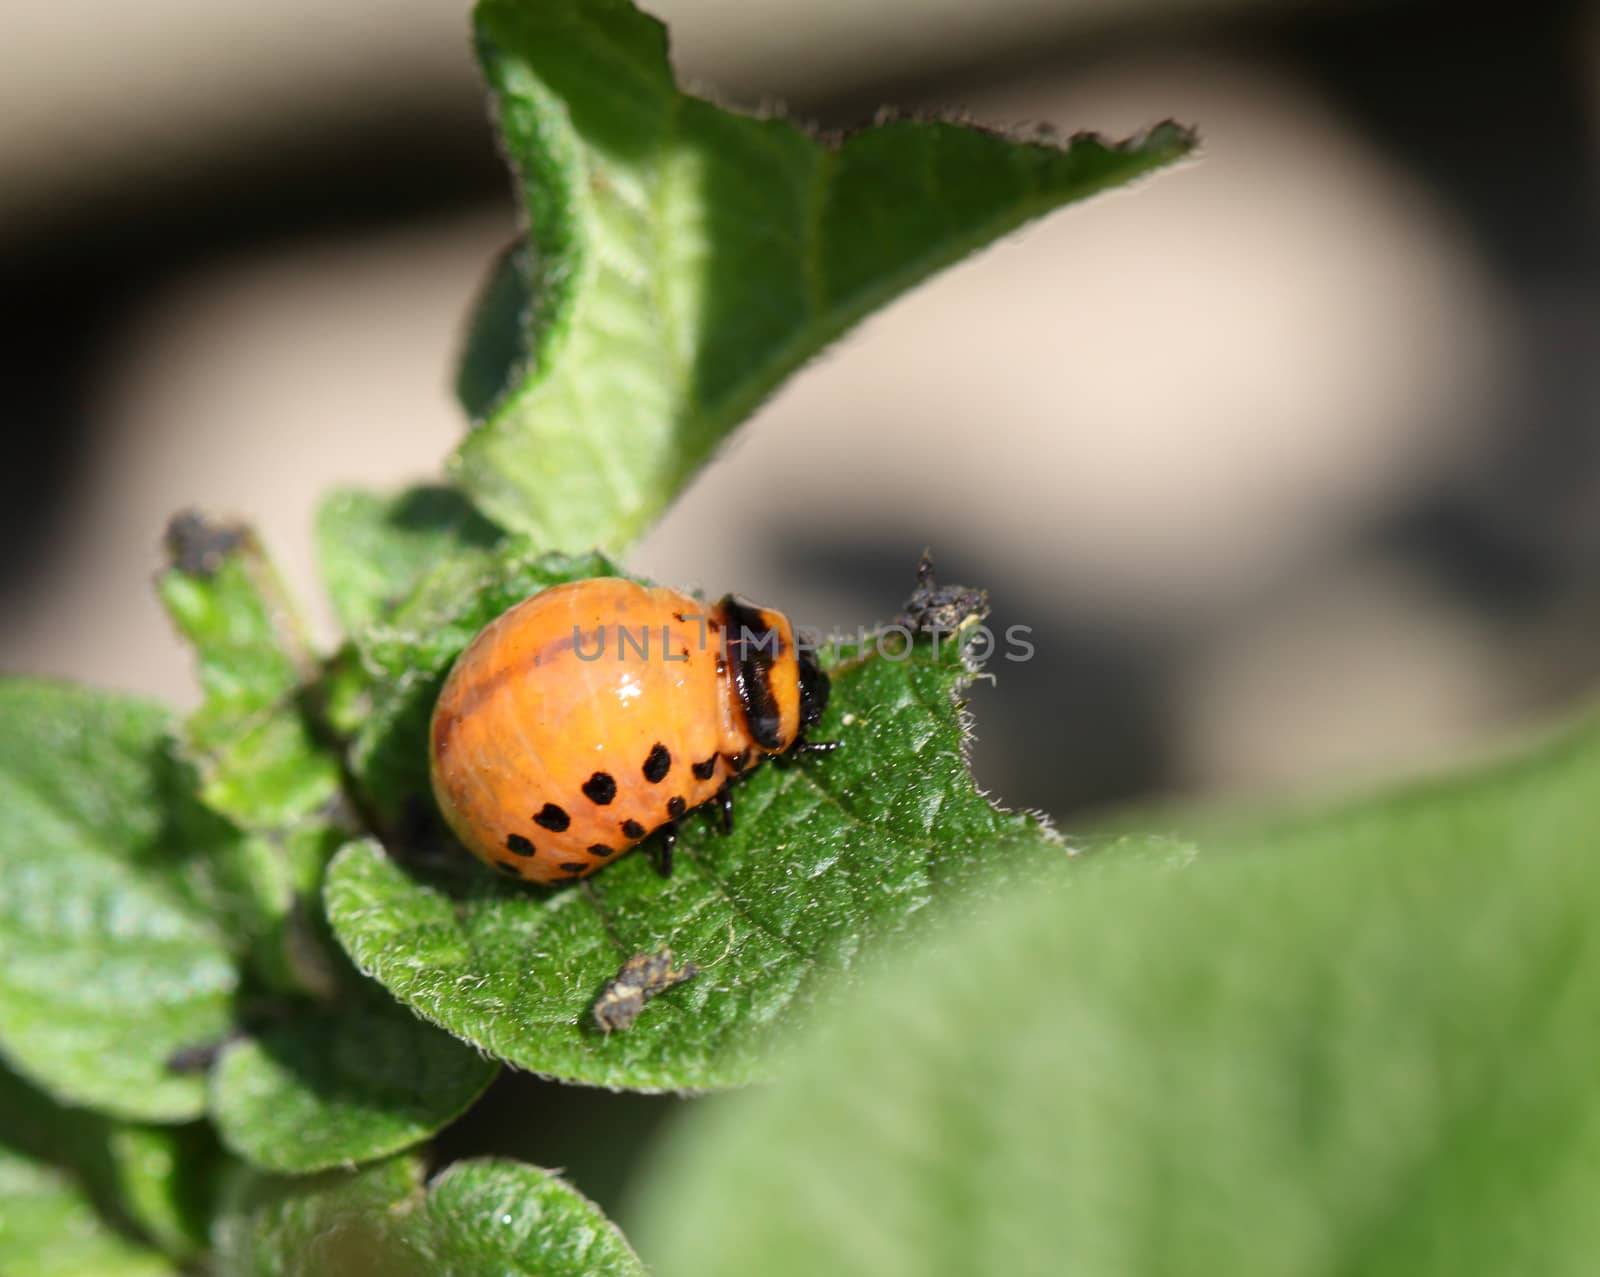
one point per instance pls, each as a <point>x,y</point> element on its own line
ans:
<point>251,995</point>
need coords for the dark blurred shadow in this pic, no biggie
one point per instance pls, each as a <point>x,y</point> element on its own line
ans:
<point>594,1138</point>
<point>1493,110</point>
<point>70,280</point>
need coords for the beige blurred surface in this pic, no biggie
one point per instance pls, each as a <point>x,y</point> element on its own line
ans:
<point>1162,398</point>
<point>1339,678</point>
<point>248,391</point>
<point>1159,404</point>
<point>96,94</point>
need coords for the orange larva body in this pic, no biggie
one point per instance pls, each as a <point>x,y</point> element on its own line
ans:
<point>594,713</point>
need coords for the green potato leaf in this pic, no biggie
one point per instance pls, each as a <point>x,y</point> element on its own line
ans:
<point>503,1218</point>
<point>334,1073</point>
<point>494,1218</point>
<point>49,1229</point>
<point>688,259</point>
<point>163,1178</point>
<point>260,764</point>
<point>349,1223</point>
<point>828,855</point>
<point>1359,1039</point>
<point>373,550</point>
<point>341,1085</point>
<point>143,1183</point>
<point>111,957</point>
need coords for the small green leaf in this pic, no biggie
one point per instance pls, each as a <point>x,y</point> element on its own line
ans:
<point>1358,1040</point>
<point>503,1218</point>
<point>148,1180</point>
<point>374,550</point>
<point>109,963</point>
<point>827,856</point>
<point>462,595</point>
<point>352,1224</point>
<point>689,259</point>
<point>495,1218</point>
<point>340,1086</point>
<point>349,1077</point>
<point>493,357</point>
<point>260,764</point>
<point>165,1178</point>
<point>48,1229</point>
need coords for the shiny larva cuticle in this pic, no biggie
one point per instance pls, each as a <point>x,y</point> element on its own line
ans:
<point>592,714</point>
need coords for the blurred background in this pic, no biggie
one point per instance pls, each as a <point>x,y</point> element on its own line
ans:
<point>1288,458</point>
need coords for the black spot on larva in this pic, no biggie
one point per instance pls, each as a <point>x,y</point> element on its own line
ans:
<point>722,666</point>
<point>553,817</point>
<point>507,868</point>
<point>572,867</point>
<point>600,788</point>
<point>676,807</point>
<point>632,829</point>
<point>658,764</point>
<point>600,849</point>
<point>519,845</point>
<point>740,760</point>
<point>678,617</point>
<point>703,770</point>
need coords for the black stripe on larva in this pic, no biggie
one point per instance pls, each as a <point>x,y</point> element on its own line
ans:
<point>572,867</point>
<point>658,764</point>
<point>600,788</point>
<point>702,771</point>
<point>676,807</point>
<point>601,850</point>
<point>758,645</point>
<point>507,868</point>
<point>739,761</point>
<point>632,829</point>
<point>553,817</point>
<point>518,845</point>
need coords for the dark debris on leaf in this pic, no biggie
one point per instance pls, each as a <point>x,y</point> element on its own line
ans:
<point>940,609</point>
<point>199,1057</point>
<point>197,545</point>
<point>638,980</point>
